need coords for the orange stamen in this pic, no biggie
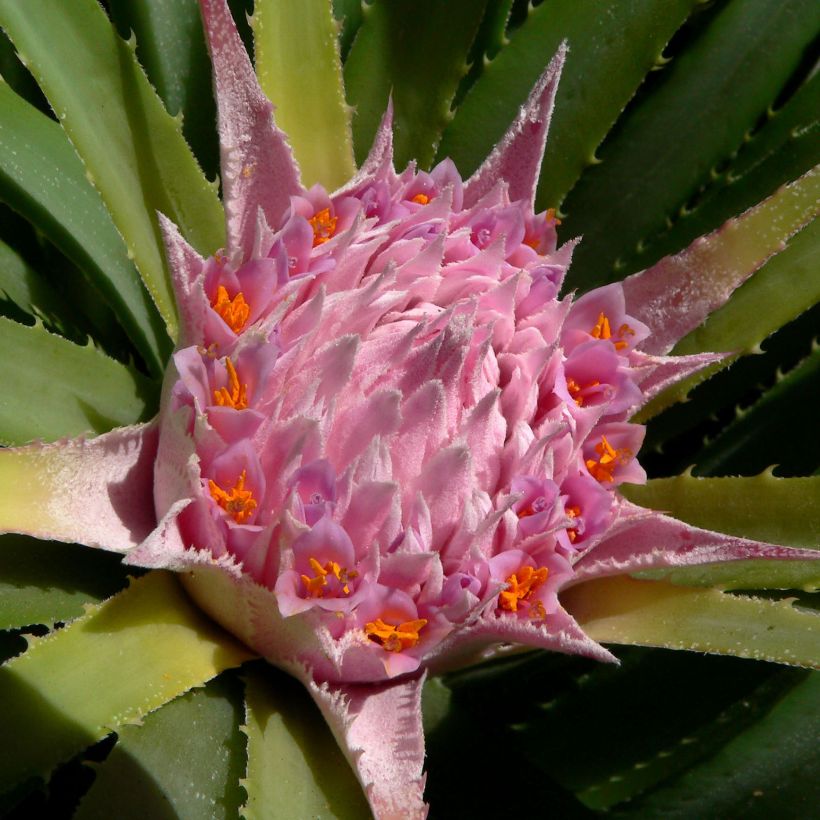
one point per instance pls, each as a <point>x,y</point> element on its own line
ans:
<point>603,330</point>
<point>521,587</point>
<point>236,394</point>
<point>324,226</point>
<point>234,311</point>
<point>575,389</point>
<point>238,502</point>
<point>315,587</point>
<point>608,459</point>
<point>573,512</point>
<point>551,218</point>
<point>395,638</point>
<point>421,199</point>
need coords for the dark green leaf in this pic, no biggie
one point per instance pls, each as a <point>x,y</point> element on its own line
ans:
<point>613,45</point>
<point>768,433</point>
<point>417,50</point>
<point>42,178</point>
<point>42,582</point>
<point>772,769</point>
<point>184,760</point>
<point>664,149</point>
<point>171,49</point>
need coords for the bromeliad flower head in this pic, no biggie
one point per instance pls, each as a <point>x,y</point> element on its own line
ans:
<point>387,442</point>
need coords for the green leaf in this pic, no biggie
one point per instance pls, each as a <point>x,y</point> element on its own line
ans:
<point>769,432</point>
<point>295,767</point>
<point>655,613</point>
<point>763,507</point>
<point>778,510</point>
<point>785,147</point>
<point>769,770</point>
<point>759,307</point>
<point>123,659</point>
<point>42,178</point>
<point>664,149</point>
<point>171,49</point>
<point>62,389</point>
<point>24,287</point>
<point>613,44</point>
<point>348,14</point>
<point>42,582</point>
<point>132,148</point>
<point>299,69</point>
<point>184,760</point>
<point>639,724</point>
<point>416,50</point>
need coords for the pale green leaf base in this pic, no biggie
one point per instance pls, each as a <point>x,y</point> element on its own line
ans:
<point>656,613</point>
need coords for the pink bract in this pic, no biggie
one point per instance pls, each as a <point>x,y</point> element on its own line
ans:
<point>386,445</point>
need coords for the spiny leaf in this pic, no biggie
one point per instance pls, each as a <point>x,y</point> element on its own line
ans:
<point>762,305</point>
<point>123,659</point>
<point>630,737</point>
<point>62,389</point>
<point>416,49</point>
<point>769,770</point>
<point>613,45</point>
<point>171,49</point>
<point>295,768</point>
<point>42,178</point>
<point>655,613</point>
<point>184,760</point>
<point>783,149</point>
<point>768,432</point>
<point>299,69</point>
<point>42,582</point>
<point>132,148</point>
<point>664,149</point>
<point>779,510</point>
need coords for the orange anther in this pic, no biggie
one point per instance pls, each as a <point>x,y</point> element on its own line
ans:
<point>324,226</point>
<point>234,311</point>
<point>315,587</point>
<point>395,637</point>
<point>421,199</point>
<point>608,459</point>
<point>521,586</point>
<point>238,502</point>
<point>235,395</point>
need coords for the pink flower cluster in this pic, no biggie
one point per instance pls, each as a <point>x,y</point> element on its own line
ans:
<point>398,427</point>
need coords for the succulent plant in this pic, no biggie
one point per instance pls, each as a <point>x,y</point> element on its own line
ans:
<point>386,446</point>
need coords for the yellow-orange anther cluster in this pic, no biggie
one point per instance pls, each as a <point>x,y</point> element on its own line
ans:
<point>608,459</point>
<point>235,395</point>
<point>603,330</point>
<point>234,311</point>
<point>315,587</point>
<point>324,226</point>
<point>395,637</point>
<point>238,502</point>
<point>521,586</point>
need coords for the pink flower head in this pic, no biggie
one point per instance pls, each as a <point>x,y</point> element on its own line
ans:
<point>386,444</point>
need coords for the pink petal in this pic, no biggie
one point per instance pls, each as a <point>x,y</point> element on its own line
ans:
<point>186,266</point>
<point>648,540</point>
<point>664,371</point>
<point>678,293</point>
<point>258,169</point>
<point>517,157</point>
<point>379,730</point>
